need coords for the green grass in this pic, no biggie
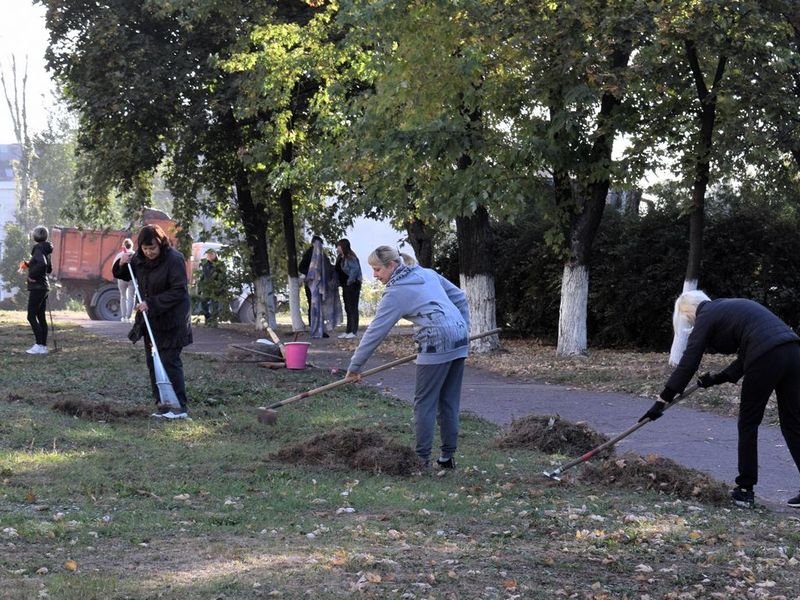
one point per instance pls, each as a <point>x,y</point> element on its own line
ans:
<point>200,509</point>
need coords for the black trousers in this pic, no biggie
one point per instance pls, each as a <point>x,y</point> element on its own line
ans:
<point>350,295</point>
<point>778,370</point>
<point>37,306</point>
<point>173,365</point>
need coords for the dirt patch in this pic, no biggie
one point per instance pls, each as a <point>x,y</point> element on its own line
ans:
<point>552,435</point>
<point>353,448</point>
<point>99,411</point>
<point>654,472</point>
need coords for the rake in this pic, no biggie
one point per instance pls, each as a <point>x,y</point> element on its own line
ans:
<point>555,474</point>
<point>268,414</point>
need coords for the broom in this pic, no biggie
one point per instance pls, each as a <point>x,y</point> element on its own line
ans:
<point>165,389</point>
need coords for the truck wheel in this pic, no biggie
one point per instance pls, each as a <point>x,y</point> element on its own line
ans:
<point>87,304</point>
<point>107,306</point>
<point>247,310</point>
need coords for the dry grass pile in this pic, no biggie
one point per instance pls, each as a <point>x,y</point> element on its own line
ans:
<point>552,435</point>
<point>355,449</point>
<point>656,473</point>
<point>99,411</point>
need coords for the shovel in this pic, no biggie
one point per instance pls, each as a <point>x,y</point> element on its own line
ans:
<point>268,414</point>
<point>555,475</point>
<point>165,389</point>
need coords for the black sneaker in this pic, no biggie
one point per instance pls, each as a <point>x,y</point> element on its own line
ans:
<point>794,502</point>
<point>745,497</point>
<point>450,463</point>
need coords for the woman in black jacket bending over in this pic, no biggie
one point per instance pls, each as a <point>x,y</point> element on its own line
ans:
<point>161,276</point>
<point>768,357</point>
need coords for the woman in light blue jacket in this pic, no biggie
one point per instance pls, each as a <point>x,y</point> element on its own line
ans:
<point>438,309</point>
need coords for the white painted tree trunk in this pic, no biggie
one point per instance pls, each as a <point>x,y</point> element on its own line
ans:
<point>572,314</point>
<point>294,304</point>
<point>265,304</point>
<point>681,337</point>
<point>482,310</point>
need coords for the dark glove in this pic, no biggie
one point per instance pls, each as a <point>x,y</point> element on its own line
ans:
<point>706,380</point>
<point>655,411</point>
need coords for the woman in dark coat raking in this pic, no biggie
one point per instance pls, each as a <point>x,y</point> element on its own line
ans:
<point>161,276</point>
<point>768,357</point>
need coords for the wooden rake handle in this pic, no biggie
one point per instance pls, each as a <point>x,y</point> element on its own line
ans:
<point>368,372</point>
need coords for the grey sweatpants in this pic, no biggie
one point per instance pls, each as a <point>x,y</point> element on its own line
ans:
<point>437,398</point>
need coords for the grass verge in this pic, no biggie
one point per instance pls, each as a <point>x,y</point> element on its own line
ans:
<point>139,508</point>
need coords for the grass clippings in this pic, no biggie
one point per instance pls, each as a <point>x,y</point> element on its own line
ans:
<point>354,448</point>
<point>552,435</point>
<point>656,473</point>
<point>100,411</point>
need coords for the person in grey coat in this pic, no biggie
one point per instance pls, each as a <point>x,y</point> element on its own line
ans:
<point>767,357</point>
<point>440,314</point>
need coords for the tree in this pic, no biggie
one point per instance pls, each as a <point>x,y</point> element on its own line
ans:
<point>284,65</point>
<point>147,82</point>
<point>566,101</point>
<point>16,96</point>
<point>696,60</point>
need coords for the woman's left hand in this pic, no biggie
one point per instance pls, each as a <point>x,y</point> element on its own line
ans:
<point>141,307</point>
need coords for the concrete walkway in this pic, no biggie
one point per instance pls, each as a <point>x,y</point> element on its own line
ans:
<point>693,438</point>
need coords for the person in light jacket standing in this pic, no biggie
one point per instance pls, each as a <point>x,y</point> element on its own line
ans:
<point>126,293</point>
<point>767,357</point>
<point>440,314</point>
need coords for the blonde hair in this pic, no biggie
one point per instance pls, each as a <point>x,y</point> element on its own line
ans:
<point>686,308</point>
<point>683,316</point>
<point>383,256</point>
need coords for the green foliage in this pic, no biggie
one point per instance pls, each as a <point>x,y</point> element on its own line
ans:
<point>751,251</point>
<point>16,247</point>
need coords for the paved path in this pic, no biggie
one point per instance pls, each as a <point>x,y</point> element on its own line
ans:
<point>693,438</point>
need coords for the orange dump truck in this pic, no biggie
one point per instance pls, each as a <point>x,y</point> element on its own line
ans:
<point>82,261</point>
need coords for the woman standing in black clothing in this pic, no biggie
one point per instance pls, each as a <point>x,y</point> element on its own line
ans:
<point>160,272</point>
<point>768,357</point>
<point>348,268</point>
<point>38,287</point>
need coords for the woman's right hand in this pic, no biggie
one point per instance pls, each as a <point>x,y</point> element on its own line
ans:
<point>354,377</point>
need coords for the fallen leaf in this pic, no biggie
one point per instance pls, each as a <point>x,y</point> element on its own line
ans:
<point>70,565</point>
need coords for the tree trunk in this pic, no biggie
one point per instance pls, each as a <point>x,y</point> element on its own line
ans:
<point>420,236</point>
<point>572,338</point>
<point>254,218</point>
<point>476,279</point>
<point>287,212</point>
<point>706,117</point>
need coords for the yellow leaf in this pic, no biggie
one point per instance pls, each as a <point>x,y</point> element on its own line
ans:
<point>70,565</point>
<point>30,498</point>
<point>695,535</point>
<point>373,577</point>
<point>510,584</point>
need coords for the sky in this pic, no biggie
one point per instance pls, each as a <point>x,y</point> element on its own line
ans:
<point>23,33</point>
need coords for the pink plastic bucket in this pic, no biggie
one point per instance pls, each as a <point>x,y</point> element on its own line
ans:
<point>295,353</point>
